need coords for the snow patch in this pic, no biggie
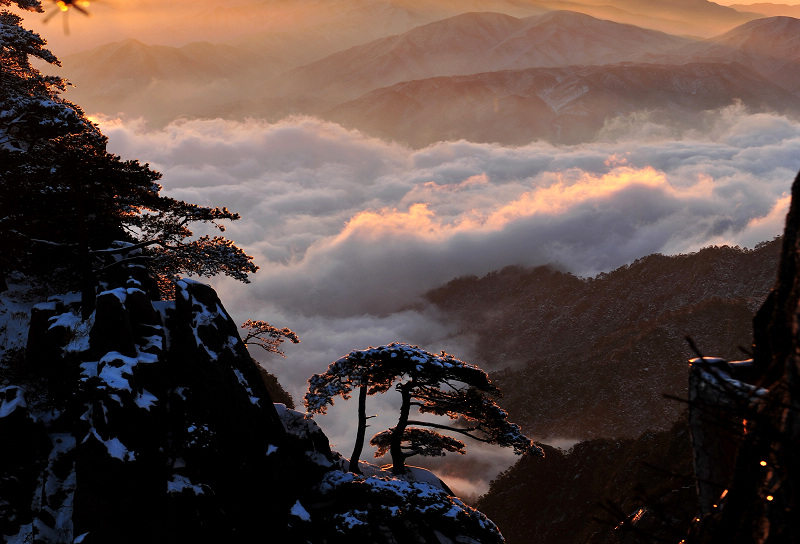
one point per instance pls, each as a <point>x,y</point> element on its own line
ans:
<point>396,496</point>
<point>296,423</point>
<point>184,283</point>
<point>243,382</point>
<point>54,494</point>
<point>16,304</point>
<point>118,450</point>
<point>300,512</point>
<point>352,518</point>
<point>120,292</point>
<point>179,484</point>
<point>154,341</point>
<point>78,328</point>
<point>114,446</point>
<point>115,368</point>
<point>24,536</point>
<point>318,459</point>
<point>145,400</point>
<point>12,398</point>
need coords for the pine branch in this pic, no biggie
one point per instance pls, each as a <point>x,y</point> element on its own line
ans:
<point>124,249</point>
<point>465,432</point>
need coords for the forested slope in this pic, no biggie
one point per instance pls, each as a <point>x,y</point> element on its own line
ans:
<point>581,495</point>
<point>594,357</point>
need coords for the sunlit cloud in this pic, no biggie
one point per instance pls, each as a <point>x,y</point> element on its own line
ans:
<point>565,193</point>
<point>344,224</point>
<point>349,230</point>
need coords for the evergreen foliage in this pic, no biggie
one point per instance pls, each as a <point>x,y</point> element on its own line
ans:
<point>434,384</point>
<point>267,337</point>
<point>421,442</point>
<point>65,200</point>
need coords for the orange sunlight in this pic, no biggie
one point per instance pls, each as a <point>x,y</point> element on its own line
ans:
<point>565,190</point>
<point>566,193</point>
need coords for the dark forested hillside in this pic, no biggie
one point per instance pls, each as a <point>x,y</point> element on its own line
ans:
<point>582,495</point>
<point>742,420</point>
<point>587,358</point>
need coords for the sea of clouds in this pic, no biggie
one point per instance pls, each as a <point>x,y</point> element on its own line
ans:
<point>349,230</point>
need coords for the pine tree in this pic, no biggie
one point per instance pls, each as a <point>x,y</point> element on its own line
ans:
<point>69,209</point>
<point>433,384</point>
<point>269,338</point>
<point>30,107</point>
<point>357,369</point>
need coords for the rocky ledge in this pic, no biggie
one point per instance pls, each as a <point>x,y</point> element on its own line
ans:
<point>149,422</point>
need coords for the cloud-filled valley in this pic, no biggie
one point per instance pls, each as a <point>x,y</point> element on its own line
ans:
<point>376,150</point>
<point>350,230</point>
<point>345,225</point>
<point>537,187</point>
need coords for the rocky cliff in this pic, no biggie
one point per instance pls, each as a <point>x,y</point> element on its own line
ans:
<point>744,420</point>
<point>593,358</point>
<point>149,422</point>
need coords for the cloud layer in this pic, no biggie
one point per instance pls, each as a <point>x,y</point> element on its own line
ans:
<point>350,230</point>
<point>344,225</point>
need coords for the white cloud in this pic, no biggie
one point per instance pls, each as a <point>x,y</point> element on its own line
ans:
<point>348,229</point>
<point>344,225</point>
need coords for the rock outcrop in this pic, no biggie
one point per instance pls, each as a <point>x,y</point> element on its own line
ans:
<point>745,420</point>
<point>149,422</point>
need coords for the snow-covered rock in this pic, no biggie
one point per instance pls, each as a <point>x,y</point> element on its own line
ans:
<point>345,507</point>
<point>149,422</point>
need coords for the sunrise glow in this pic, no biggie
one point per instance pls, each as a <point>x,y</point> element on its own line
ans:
<point>573,201</point>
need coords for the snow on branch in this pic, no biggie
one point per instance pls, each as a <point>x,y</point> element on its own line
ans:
<point>434,384</point>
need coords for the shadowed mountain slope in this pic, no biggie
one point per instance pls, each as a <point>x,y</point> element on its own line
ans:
<point>594,357</point>
<point>581,495</point>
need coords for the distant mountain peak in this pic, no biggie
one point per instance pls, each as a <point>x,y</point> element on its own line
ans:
<point>780,24</point>
<point>762,39</point>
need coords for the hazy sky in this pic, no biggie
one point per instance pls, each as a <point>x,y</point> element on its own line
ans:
<point>748,2</point>
<point>177,22</point>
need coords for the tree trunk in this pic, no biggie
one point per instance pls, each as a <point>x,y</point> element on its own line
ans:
<point>362,430</point>
<point>395,449</point>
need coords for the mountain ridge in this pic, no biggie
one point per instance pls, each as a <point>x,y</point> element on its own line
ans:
<point>769,46</point>
<point>562,105</point>
<point>583,80</point>
<point>588,358</point>
<point>474,43</point>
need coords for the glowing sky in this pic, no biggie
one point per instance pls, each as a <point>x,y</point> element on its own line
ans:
<point>177,22</point>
